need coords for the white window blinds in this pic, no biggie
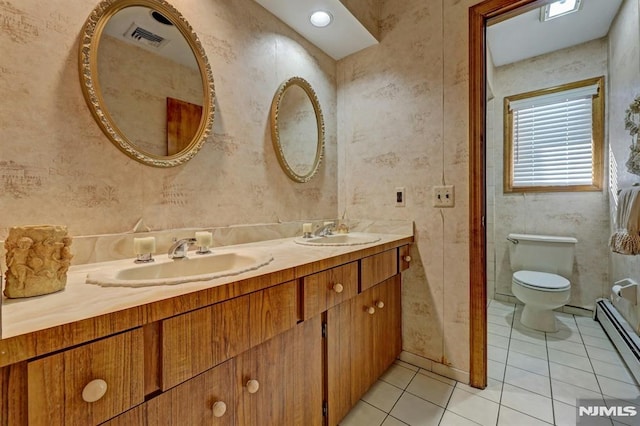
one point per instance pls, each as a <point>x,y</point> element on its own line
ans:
<point>552,139</point>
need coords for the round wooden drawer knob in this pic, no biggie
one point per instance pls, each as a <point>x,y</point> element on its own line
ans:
<point>94,390</point>
<point>253,386</point>
<point>338,288</point>
<point>371,310</point>
<point>219,408</point>
<point>407,259</point>
<point>380,304</point>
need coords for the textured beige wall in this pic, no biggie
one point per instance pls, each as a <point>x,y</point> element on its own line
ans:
<point>583,215</point>
<point>624,86</point>
<point>404,122</point>
<point>58,167</point>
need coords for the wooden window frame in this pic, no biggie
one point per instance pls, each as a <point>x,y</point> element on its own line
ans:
<point>597,129</point>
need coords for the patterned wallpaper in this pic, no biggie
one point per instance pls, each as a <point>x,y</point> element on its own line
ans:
<point>583,215</point>
<point>57,166</point>
<point>624,86</point>
<point>403,122</point>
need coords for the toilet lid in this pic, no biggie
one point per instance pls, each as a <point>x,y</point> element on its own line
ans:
<point>541,280</point>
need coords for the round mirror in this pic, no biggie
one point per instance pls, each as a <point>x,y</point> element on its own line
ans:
<point>147,80</point>
<point>297,129</point>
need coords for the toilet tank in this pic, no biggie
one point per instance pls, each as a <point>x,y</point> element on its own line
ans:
<point>544,253</point>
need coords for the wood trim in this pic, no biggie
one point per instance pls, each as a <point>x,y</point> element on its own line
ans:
<point>597,131</point>
<point>478,16</point>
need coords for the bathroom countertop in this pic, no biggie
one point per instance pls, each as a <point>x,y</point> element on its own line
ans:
<point>83,312</point>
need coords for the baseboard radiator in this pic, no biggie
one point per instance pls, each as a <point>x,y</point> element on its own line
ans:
<point>621,334</point>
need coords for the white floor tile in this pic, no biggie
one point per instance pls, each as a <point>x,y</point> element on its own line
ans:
<point>497,305</point>
<point>504,320</point>
<point>501,330</point>
<point>564,414</point>
<point>510,417</point>
<point>528,336</point>
<point>430,389</point>
<point>364,414</point>
<point>594,332</point>
<point>605,355</point>
<point>398,375</point>
<point>529,363</point>
<point>473,407</point>
<point>586,322</point>
<point>566,334</point>
<point>612,371</point>
<point>537,350</point>
<point>392,421</point>
<point>576,348</point>
<point>571,360</point>
<point>493,391</point>
<point>438,377</point>
<point>569,394</point>
<point>452,419</point>
<point>528,380</point>
<point>527,402</point>
<point>497,340</point>
<point>417,412</point>
<point>598,342</point>
<point>497,354</point>
<point>382,395</point>
<point>583,379</point>
<point>495,370</point>
<point>617,389</point>
<point>567,320</point>
<point>406,365</point>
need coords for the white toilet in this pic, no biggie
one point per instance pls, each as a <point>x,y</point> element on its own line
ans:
<point>541,265</point>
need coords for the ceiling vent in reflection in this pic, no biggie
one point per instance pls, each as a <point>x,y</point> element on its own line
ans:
<point>143,36</point>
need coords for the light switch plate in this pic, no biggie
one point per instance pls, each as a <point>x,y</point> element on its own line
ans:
<point>443,196</point>
<point>400,196</point>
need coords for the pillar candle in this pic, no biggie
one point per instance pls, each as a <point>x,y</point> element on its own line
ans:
<point>144,245</point>
<point>306,227</point>
<point>204,238</point>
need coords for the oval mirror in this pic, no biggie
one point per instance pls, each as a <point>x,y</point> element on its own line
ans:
<point>297,129</point>
<point>147,80</point>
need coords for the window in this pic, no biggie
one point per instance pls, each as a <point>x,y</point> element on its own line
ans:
<point>554,138</point>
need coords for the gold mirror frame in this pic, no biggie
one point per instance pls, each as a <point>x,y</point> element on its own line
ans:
<point>88,65</point>
<point>275,133</point>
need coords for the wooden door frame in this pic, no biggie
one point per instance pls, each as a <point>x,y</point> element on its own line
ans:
<point>479,15</point>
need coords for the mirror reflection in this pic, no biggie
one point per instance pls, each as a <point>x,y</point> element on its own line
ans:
<point>297,129</point>
<point>147,80</point>
<point>150,81</point>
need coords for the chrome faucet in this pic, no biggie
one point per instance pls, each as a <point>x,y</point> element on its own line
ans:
<point>179,248</point>
<point>325,230</point>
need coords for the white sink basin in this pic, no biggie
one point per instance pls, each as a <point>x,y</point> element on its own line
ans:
<point>352,239</point>
<point>164,271</point>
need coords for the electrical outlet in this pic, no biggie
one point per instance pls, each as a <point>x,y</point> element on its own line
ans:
<point>443,196</point>
<point>400,196</point>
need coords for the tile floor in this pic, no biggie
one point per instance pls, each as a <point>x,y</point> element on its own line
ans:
<point>534,379</point>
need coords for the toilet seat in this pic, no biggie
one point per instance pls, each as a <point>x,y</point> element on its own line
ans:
<point>542,281</point>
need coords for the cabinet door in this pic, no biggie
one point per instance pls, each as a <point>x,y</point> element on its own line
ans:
<point>88,384</point>
<point>363,339</point>
<point>328,288</point>
<point>280,381</point>
<point>387,335</point>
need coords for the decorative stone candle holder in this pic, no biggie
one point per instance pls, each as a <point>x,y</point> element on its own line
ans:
<point>38,258</point>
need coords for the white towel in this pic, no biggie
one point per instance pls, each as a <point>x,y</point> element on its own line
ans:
<point>626,239</point>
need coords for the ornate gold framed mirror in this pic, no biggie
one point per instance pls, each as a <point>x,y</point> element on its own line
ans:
<point>147,81</point>
<point>297,129</point>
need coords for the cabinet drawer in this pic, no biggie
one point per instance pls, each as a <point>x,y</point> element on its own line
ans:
<point>56,383</point>
<point>329,288</point>
<point>196,341</point>
<point>377,268</point>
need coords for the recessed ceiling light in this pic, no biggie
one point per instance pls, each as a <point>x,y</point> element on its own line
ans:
<point>320,18</point>
<point>559,8</point>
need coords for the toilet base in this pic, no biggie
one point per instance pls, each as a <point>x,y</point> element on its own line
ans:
<point>539,319</point>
